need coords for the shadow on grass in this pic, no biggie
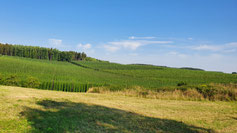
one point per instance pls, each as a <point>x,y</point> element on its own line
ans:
<point>61,117</point>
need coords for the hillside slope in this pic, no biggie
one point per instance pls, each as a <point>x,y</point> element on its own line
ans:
<point>108,73</point>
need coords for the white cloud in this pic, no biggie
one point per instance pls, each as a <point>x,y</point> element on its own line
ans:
<point>111,48</point>
<point>232,44</point>
<point>229,51</point>
<point>127,44</point>
<point>190,38</point>
<point>143,38</point>
<point>219,57</point>
<point>227,48</point>
<point>207,47</point>
<point>132,44</point>
<point>216,57</point>
<point>56,43</point>
<point>211,62</point>
<point>133,54</point>
<point>177,54</point>
<point>84,47</point>
<point>172,53</point>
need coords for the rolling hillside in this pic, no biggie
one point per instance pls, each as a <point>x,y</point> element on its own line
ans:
<point>108,73</point>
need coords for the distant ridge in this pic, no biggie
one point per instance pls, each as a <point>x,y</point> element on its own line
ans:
<point>191,68</point>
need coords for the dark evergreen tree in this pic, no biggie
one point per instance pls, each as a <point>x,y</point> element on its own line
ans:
<point>40,53</point>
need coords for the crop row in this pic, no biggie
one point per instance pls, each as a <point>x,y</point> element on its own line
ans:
<point>32,82</point>
<point>47,71</point>
<point>64,86</point>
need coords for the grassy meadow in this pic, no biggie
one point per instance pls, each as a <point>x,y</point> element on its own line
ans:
<point>33,110</point>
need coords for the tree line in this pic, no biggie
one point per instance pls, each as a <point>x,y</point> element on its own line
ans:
<point>36,52</point>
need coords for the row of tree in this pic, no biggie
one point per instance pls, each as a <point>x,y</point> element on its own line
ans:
<point>40,52</point>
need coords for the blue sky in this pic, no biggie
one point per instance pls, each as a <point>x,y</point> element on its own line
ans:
<point>175,33</point>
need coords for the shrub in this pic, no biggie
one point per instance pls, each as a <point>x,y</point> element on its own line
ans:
<point>217,92</point>
<point>1,79</point>
<point>143,93</point>
<point>31,82</point>
<point>183,88</point>
<point>11,80</point>
<point>116,87</point>
<point>193,94</point>
<point>182,83</point>
<point>90,59</point>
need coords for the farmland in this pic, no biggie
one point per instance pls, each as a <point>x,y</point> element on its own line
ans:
<point>119,98</point>
<point>79,76</point>
<point>108,73</point>
<point>58,71</point>
<point>161,76</point>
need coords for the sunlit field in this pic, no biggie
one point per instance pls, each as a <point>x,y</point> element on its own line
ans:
<point>32,110</point>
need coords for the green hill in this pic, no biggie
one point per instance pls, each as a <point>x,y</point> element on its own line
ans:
<point>108,73</point>
<point>158,76</point>
<point>52,69</point>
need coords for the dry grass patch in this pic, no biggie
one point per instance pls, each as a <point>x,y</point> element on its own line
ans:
<point>212,92</point>
<point>32,110</point>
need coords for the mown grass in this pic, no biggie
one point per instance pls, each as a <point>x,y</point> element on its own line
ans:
<point>32,110</point>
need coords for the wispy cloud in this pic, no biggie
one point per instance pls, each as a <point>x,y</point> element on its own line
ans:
<point>207,47</point>
<point>229,47</point>
<point>56,43</point>
<point>142,38</point>
<point>177,54</point>
<point>111,48</point>
<point>185,52</point>
<point>84,47</point>
<point>232,44</point>
<point>131,44</point>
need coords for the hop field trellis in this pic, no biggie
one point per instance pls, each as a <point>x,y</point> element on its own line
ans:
<point>67,87</point>
<point>31,82</point>
<point>149,77</point>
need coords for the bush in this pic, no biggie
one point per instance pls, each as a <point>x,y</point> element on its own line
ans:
<point>31,82</point>
<point>182,83</point>
<point>217,92</point>
<point>193,94</point>
<point>11,80</point>
<point>90,59</point>
<point>1,79</point>
<point>115,87</point>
